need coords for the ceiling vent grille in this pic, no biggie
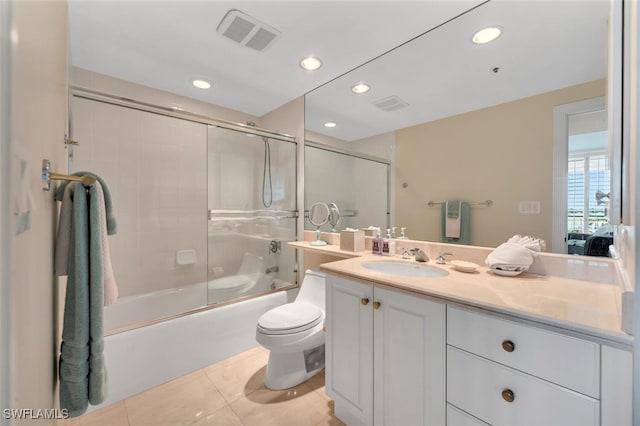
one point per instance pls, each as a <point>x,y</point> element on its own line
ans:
<point>247,31</point>
<point>390,103</point>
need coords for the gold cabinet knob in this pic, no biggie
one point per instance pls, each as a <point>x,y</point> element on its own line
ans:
<point>508,395</point>
<point>376,305</point>
<point>508,346</point>
<point>364,301</point>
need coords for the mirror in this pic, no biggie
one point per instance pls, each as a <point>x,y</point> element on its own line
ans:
<point>347,179</point>
<point>318,216</point>
<point>474,122</point>
<point>334,216</point>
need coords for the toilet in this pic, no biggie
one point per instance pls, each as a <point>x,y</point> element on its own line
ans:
<point>249,273</point>
<point>293,333</point>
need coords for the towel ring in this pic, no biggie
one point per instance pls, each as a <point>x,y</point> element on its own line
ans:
<point>47,176</point>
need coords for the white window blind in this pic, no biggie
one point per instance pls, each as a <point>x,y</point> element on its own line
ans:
<point>588,173</point>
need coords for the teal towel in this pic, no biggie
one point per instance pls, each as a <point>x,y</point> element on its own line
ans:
<point>108,206</point>
<point>82,372</point>
<point>464,221</point>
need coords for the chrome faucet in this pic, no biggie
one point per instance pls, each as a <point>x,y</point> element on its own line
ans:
<point>419,254</point>
<point>440,260</point>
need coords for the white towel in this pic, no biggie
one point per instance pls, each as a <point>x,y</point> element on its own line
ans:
<point>516,254</point>
<point>510,257</point>
<point>110,285</point>
<point>452,224</point>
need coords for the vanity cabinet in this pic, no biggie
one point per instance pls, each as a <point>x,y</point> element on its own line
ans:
<point>385,355</point>
<point>399,358</point>
<point>509,373</point>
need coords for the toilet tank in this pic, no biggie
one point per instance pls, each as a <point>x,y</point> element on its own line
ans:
<point>312,289</point>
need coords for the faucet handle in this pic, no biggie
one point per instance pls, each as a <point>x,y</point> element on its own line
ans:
<point>440,260</point>
<point>406,254</point>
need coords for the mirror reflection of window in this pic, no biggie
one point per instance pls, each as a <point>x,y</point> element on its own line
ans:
<point>588,184</point>
<point>588,172</point>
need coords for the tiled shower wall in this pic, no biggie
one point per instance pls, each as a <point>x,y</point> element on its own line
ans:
<point>156,170</point>
<point>236,172</point>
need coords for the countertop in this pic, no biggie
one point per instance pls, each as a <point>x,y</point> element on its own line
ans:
<point>585,307</point>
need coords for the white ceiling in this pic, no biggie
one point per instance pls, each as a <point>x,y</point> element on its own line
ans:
<point>545,45</point>
<point>165,44</point>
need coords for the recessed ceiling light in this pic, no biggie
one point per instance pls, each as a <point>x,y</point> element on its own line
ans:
<point>486,35</point>
<point>360,88</point>
<point>330,124</point>
<point>311,63</point>
<point>201,84</point>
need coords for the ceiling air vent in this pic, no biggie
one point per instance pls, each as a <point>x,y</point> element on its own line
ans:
<point>246,30</point>
<point>391,103</point>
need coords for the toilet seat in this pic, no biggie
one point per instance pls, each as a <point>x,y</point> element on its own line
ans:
<point>290,318</point>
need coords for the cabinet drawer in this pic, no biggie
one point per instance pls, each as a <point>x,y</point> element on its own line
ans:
<point>561,359</point>
<point>477,386</point>
<point>456,417</point>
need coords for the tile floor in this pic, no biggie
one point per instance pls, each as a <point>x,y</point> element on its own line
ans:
<point>228,393</point>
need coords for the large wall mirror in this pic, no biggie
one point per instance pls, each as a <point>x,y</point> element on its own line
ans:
<point>480,122</point>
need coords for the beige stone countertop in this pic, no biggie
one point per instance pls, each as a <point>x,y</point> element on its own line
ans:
<point>580,306</point>
<point>332,250</point>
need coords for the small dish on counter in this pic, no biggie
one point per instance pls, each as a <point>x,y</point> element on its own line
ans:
<point>506,273</point>
<point>464,266</point>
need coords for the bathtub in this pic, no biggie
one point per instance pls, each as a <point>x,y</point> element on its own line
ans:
<point>143,308</point>
<point>144,357</point>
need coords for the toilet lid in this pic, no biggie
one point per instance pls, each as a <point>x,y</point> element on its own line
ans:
<point>232,282</point>
<point>290,318</point>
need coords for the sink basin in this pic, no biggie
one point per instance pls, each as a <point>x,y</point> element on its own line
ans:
<point>405,269</point>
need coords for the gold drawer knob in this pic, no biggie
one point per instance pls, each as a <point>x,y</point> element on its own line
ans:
<point>508,346</point>
<point>376,305</point>
<point>364,301</point>
<point>508,395</point>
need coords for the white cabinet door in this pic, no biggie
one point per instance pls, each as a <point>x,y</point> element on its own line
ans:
<point>349,349</point>
<point>409,360</point>
<point>616,405</point>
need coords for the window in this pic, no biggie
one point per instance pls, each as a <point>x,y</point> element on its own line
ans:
<point>588,174</point>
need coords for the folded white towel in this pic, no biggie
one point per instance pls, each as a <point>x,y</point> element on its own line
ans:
<point>510,257</point>
<point>534,244</point>
<point>516,254</point>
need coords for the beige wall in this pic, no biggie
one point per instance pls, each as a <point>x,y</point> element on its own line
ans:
<point>502,153</point>
<point>39,67</point>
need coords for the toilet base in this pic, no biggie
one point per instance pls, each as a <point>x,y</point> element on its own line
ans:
<point>288,369</point>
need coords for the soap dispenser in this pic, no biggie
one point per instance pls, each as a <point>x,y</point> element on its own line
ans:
<point>376,243</point>
<point>402,236</point>
<point>388,245</point>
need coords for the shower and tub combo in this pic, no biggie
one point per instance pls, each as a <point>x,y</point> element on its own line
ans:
<point>205,210</point>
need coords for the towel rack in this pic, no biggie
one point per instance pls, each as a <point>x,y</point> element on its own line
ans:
<point>487,203</point>
<point>47,176</point>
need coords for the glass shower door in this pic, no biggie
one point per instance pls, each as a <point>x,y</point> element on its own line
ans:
<point>252,214</point>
